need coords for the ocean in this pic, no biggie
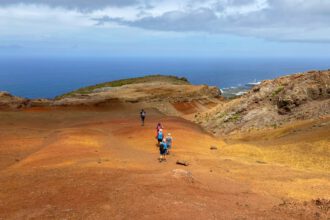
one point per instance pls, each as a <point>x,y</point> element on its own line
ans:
<point>48,77</point>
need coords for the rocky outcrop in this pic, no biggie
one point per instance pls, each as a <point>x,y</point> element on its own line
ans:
<point>272,104</point>
<point>10,102</point>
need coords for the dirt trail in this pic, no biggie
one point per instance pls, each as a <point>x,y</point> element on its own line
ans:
<point>93,164</point>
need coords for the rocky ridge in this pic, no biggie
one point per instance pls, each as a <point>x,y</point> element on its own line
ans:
<point>272,103</point>
<point>151,91</point>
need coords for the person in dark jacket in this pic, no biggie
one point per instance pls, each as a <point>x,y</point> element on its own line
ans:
<point>143,116</point>
<point>162,150</point>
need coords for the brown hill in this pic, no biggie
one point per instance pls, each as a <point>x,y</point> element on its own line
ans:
<point>273,103</point>
<point>169,94</point>
<point>165,95</point>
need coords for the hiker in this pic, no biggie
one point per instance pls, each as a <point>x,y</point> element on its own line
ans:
<point>169,140</point>
<point>159,126</point>
<point>160,136</point>
<point>162,150</point>
<point>143,116</point>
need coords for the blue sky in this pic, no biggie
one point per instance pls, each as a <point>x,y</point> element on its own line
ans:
<point>165,28</point>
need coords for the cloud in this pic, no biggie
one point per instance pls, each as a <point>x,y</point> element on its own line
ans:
<point>284,20</point>
<point>279,20</point>
<point>84,5</point>
<point>197,20</point>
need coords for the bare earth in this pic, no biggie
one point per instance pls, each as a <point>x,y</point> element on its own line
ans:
<point>57,163</point>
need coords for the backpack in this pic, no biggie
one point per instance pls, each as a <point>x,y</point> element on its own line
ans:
<point>169,140</point>
<point>160,136</point>
<point>161,146</point>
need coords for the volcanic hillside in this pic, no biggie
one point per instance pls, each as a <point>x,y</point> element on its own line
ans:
<point>272,104</point>
<point>85,155</point>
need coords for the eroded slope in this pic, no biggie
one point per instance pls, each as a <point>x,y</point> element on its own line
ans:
<point>272,104</point>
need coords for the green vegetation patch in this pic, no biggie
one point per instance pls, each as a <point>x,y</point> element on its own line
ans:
<point>117,83</point>
<point>277,91</point>
<point>222,115</point>
<point>232,118</point>
<point>235,117</point>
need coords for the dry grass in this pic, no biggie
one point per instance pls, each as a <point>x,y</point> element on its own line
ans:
<point>117,83</point>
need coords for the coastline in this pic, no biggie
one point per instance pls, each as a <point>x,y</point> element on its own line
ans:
<point>31,78</point>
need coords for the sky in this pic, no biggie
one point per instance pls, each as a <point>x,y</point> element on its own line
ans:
<point>165,28</point>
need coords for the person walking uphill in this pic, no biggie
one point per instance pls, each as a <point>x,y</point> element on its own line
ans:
<point>143,116</point>
<point>162,150</point>
<point>169,141</point>
<point>159,127</point>
<point>160,136</point>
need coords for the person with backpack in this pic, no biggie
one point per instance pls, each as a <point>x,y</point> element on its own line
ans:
<point>162,150</point>
<point>160,136</point>
<point>159,126</point>
<point>143,116</point>
<point>169,141</point>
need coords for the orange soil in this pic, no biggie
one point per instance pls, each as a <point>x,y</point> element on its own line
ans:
<point>92,164</point>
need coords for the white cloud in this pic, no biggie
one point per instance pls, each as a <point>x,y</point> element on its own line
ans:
<point>83,5</point>
<point>284,20</point>
<point>271,19</point>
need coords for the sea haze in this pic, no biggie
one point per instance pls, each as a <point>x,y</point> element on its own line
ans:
<point>49,77</point>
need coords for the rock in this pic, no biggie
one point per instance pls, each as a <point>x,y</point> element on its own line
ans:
<point>323,124</point>
<point>10,102</point>
<point>318,202</point>
<point>322,203</point>
<point>182,162</point>
<point>317,215</point>
<point>213,148</point>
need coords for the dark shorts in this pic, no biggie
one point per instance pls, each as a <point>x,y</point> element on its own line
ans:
<point>160,140</point>
<point>162,151</point>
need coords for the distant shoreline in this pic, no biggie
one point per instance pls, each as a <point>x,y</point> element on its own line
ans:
<point>48,78</point>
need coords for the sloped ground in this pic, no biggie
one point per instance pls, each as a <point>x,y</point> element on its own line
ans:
<point>84,163</point>
<point>272,104</point>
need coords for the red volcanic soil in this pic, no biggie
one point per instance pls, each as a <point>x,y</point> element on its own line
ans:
<point>93,164</point>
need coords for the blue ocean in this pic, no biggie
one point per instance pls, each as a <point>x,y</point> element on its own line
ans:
<point>37,77</point>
